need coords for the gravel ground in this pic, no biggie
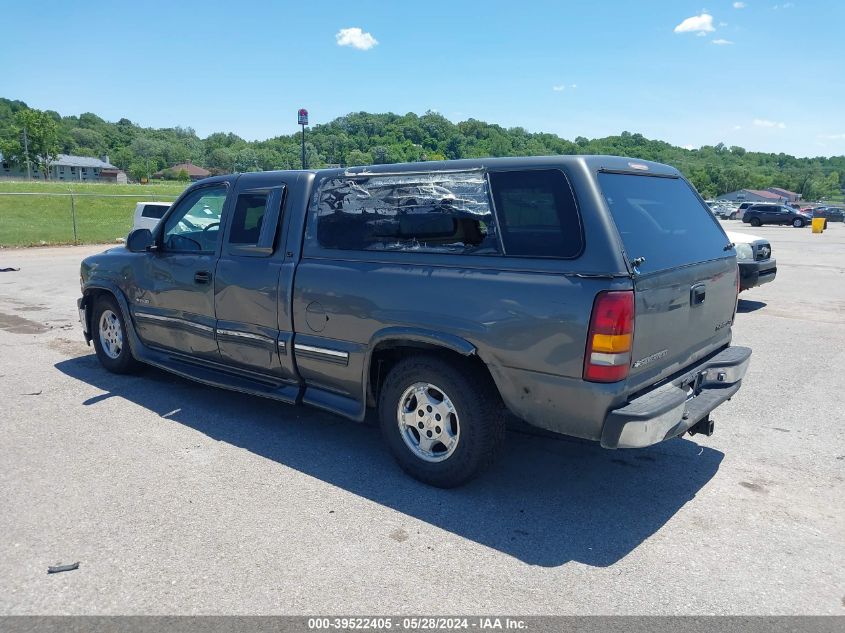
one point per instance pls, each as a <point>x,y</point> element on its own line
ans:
<point>181,499</point>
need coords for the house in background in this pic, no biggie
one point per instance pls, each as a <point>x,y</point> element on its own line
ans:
<point>194,172</point>
<point>84,168</point>
<point>790,196</point>
<point>67,167</point>
<point>752,195</point>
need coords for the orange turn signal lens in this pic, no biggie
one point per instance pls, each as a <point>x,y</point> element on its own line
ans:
<point>611,343</point>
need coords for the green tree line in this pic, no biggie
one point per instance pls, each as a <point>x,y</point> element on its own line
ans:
<point>363,138</point>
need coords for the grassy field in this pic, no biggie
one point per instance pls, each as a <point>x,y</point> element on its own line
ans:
<point>47,219</point>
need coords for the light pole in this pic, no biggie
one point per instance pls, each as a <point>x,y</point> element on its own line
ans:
<point>302,119</point>
<point>26,153</point>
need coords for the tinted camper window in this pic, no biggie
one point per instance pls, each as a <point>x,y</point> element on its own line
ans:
<point>537,213</point>
<point>662,220</point>
<point>155,211</point>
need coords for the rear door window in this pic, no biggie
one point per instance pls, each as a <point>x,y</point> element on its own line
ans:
<point>248,218</point>
<point>256,217</point>
<point>661,220</point>
<point>537,213</point>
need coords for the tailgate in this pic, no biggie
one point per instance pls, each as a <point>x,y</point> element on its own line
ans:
<point>685,282</point>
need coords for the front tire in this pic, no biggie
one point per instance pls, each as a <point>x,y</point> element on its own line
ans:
<point>755,222</point>
<point>444,423</point>
<point>798,223</point>
<point>111,340</point>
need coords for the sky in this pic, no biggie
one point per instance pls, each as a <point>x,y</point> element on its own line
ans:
<point>765,75</point>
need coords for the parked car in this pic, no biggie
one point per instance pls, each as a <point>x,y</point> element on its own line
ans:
<point>759,214</point>
<point>592,296</point>
<point>739,211</point>
<point>831,214</point>
<point>147,214</point>
<point>725,210</point>
<point>754,256</point>
<point>720,210</point>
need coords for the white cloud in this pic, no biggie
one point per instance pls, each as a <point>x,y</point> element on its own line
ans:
<point>574,86</point>
<point>696,24</point>
<point>356,38</point>
<point>785,5</point>
<point>560,88</point>
<point>689,146</point>
<point>833,137</point>
<point>721,42</point>
<point>769,124</point>
<point>739,5</point>
<point>737,127</point>
<point>723,24</point>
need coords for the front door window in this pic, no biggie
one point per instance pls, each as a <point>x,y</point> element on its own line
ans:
<point>194,226</point>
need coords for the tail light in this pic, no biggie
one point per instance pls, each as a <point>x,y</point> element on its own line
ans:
<point>611,335</point>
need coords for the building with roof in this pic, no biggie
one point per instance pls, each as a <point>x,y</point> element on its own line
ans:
<point>113,174</point>
<point>752,195</point>
<point>195,172</point>
<point>67,167</point>
<point>790,196</point>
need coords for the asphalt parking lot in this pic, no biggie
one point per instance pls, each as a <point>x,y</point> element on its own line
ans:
<point>177,498</point>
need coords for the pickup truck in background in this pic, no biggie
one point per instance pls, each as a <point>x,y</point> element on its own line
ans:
<point>592,296</point>
<point>754,257</point>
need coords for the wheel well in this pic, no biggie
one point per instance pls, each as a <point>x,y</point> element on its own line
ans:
<point>91,296</point>
<point>388,353</point>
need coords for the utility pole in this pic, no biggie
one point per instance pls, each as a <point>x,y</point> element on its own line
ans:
<point>302,119</point>
<point>26,154</point>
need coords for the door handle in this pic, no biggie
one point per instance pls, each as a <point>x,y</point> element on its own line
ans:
<point>697,294</point>
<point>202,277</point>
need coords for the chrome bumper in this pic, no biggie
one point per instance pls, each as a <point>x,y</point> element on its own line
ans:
<point>672,408</point>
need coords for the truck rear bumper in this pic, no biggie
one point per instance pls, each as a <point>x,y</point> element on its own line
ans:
<point>673,408</point>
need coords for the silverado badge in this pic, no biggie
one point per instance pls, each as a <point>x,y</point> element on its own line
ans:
<point>648,359</point>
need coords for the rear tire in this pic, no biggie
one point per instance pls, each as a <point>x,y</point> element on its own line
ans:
<point>443,422</point>
<point>755,222</point>
<point>111,340</point>
<point>732,216</point>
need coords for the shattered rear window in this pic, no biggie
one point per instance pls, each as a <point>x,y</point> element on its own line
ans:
<point>437,212</point>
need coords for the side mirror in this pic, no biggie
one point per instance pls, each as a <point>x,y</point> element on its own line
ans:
<point>139,240</point>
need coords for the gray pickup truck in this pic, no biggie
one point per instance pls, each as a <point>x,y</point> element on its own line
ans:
<point>592,296</point>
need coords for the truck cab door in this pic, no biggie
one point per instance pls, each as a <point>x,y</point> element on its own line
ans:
<point>252,335</point>
<point>172,301</point>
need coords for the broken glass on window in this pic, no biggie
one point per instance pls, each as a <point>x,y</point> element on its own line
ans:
<point>442,212</point>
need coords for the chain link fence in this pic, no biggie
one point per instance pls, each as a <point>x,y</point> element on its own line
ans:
<point>42,218</point>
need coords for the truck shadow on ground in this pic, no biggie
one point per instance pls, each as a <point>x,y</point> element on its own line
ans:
<point>548,501</point>
<point>744,306</point>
